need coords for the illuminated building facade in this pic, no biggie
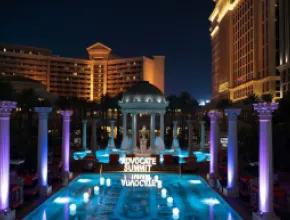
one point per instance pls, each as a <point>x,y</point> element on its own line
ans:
<point>102,73</point>
<point>284,45</point>
<point>244,35</point>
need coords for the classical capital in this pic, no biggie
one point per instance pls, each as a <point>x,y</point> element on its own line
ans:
<point>84,121</point>
<point>202,122</point>
<point>43,109</point>
<point>232,113</point>
<point>265,110</point>
<point>213,115</point>
<point>66,114</point>
<point>112,122</point>
<point>6,107</point>
<point>175,122</point>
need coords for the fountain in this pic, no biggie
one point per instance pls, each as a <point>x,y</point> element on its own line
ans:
<point>175,142</point>
<point>126,144</point>
<point>159,145</point>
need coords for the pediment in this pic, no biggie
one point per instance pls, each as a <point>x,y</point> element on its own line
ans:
<point>99,46</point>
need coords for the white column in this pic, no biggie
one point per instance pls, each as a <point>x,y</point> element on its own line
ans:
<point>232,189</point>
<point>265,161</point>
<point>175,129</point>
<point>134,128</point>
<point>162,125</point>
<point>42,150</point>
<point>124,124</point>
<point>152,131</point>
<point>214,144</point>
<point>66,115</point>
<point>190,147</point>
<point>202,135</point>
<point>5,109</point>
<point>84,135</point>
<point>111,143</point>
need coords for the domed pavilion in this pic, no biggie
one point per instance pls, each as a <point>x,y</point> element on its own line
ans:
<point>142,98</point>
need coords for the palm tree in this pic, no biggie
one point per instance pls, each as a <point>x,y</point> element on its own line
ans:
<point>7,91</point>
<point>185,99</point>
<point>105,103</point>
<point>173,105</point>
<point>251,99</point>
<point>267,98</point>
<point>27,100</point>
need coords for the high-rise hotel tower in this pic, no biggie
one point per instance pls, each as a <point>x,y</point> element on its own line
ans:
<point>102,73</point>
<point>245,49</point>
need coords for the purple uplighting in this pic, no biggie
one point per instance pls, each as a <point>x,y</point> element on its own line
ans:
<point>5,109</point>
<point>214,141</point>
<point>42,143</point>
<point>265,156</point>
<point>66,138</point>
<point>232,178</point>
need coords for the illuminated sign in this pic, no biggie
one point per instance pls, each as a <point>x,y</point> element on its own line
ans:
<point>139,164</point>
<point>139,180</point>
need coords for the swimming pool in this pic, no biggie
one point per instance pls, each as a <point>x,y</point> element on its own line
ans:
<point>103,155</point>
<point>120,196</point>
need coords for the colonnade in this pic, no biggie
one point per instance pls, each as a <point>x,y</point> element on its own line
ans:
<point>152,126</point>
<point>265,156</point>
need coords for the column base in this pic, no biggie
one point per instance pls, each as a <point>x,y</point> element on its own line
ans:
<point>67,176</point>
<point>231,192</point>
<point>211,177</point>
<point>8,215</point>
<point>264,216</point>
<point>111,144</point>
<point>45,190</point>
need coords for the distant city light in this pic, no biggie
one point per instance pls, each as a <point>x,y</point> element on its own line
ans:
<point>203,102</point>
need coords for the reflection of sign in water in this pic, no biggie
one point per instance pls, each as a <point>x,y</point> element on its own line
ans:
<point>138,180</point>
<point>139,164</point>
<point>224,142</point>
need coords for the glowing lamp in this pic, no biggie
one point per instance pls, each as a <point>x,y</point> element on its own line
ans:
<point>102,181</point>
<point>163,193</point>
<point>175,211</point>
<point>108,182</point>
<point>72,207</point>
<point>86,197</point>
<point>170,200</point>
<point>159,185</point>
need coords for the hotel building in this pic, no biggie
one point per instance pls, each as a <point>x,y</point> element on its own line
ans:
<point>245,49</point>
<point>102,73</point>
<point>284,44</point>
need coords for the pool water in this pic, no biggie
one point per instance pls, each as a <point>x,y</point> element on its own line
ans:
<point>120,196</point>
<point>103,155</point>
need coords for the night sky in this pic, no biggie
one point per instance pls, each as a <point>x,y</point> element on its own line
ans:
<point>178,29</point>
